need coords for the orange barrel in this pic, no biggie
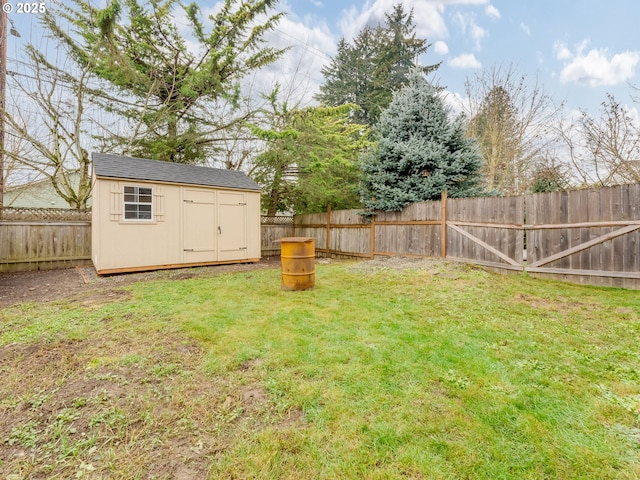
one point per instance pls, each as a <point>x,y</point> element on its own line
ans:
<point>298,255</point>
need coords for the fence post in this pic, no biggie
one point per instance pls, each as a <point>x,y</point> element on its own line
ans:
<point>328,229</point>
<point>373,237</point>
<point>443,219</point>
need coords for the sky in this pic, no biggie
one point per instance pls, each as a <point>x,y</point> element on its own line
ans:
<point>577,51</point>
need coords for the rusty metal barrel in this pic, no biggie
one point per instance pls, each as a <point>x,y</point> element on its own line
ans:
<point>298,255</point>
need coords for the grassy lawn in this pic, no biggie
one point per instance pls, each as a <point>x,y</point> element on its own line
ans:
<point>375,374</point>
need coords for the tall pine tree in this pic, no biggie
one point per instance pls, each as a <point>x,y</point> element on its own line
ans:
<point>419,152</point>
<point>164,84</point>
<point>377,62</point>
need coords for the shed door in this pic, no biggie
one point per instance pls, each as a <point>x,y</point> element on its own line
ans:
<point>200,233</point>
<point>232,226</point>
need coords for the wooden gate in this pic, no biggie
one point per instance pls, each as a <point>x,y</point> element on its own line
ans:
<point>486,231</point>
<point>586,233</point>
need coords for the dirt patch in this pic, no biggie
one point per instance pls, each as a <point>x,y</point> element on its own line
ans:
<point>435,266</point>
<point>48,285</point>
<point>96,408</point>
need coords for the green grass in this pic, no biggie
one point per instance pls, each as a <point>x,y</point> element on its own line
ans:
<point>388,374</point>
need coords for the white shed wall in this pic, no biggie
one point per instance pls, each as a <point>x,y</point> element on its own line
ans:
<point>185,228</point>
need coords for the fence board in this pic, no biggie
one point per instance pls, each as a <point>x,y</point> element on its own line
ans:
<point>270,234</point>
<point>631,206</point>
<point>413,231</point>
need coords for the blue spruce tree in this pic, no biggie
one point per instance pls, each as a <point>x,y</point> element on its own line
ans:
<point>419,152</point>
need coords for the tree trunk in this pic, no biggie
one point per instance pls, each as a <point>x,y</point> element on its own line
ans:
<point>172,136</point>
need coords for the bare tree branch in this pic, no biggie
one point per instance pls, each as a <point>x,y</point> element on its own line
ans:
<point>509,117</point>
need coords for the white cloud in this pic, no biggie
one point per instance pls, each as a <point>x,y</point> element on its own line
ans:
<point>597,67</point>
<point>562,51</point>
<point>441,48</point>
<point>455,101</point>
<point>525,28</point>
<point>492,11</point>
<point>428,16</point>
<point>467,23</point>
<point>467,60</point>
<point>633,113</point>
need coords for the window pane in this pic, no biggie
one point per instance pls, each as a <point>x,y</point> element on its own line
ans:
<point>138,203</point>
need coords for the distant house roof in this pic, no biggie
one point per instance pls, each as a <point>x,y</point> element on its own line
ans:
<point>38,194</point>
<point>116,166</point>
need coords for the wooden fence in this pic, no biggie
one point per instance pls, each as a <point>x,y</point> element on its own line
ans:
<point>272,230</point>
<point>29,245</point>
<point>585,236</point>
<point>32,240</point>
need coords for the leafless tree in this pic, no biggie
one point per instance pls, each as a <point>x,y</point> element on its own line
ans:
<point>603,150</point>
<point>46,114</point>
<point>14,171</point>
<point>509,116</point>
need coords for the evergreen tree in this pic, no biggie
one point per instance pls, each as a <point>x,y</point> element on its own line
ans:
<point>163,84</point>
<point>311,158</point>
<point>328,167</point>
<point>367,71</point>
<point>419,152</point>
<point>275,168</point>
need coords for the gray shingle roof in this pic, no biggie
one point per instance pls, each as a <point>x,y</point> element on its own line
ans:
<point>131,168</point>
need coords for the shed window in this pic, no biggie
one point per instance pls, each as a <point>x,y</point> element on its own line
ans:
<point>138,203</point>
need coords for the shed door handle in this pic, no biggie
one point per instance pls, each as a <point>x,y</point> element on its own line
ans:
<point>219,230</point>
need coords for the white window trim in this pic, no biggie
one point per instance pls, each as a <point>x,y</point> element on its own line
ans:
<point>125,203</point>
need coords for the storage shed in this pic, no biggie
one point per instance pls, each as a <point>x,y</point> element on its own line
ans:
<point>149,214</point>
